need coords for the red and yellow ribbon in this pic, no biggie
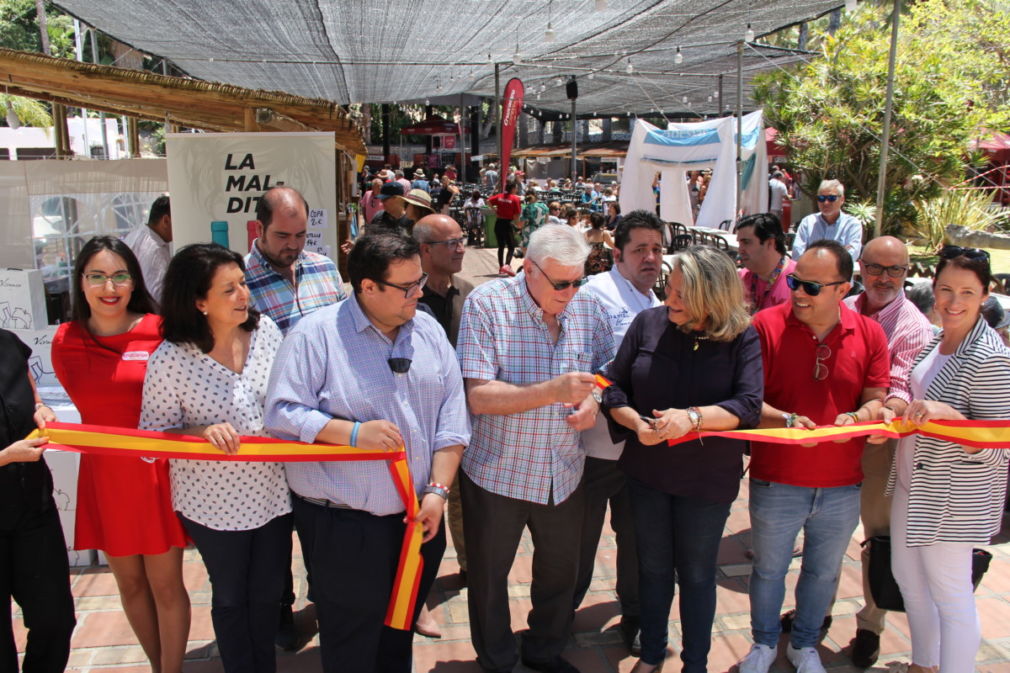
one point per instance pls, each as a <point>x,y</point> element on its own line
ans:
<point>112,441</point>
<point>976,434</point>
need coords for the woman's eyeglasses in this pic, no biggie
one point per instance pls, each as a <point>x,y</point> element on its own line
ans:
<point>811,287</point>
<point>952,251</point>
<point>820,369</point>
<point>96,279</point>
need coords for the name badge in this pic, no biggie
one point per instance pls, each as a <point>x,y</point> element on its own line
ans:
<point>133,356</point>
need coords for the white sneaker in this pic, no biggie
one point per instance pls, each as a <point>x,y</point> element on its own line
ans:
<point>759,659</point>
<point>805,659</point>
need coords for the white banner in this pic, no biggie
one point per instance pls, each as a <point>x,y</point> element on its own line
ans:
<point>219,177</point>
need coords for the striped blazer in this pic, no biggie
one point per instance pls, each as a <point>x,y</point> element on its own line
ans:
<point>955,496</point>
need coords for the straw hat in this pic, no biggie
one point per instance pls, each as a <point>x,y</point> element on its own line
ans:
<point>419,198</point>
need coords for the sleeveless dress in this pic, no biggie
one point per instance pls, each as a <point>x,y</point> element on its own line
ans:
<point>124,505</point>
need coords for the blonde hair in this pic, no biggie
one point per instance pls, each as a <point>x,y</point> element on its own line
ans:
<point>712,288</point>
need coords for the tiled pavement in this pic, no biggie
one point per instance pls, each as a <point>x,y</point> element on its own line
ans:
<point>104,643</point>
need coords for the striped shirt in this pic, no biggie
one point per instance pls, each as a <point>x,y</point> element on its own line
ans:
<point>317,284</point>
<point>956,496</point>
<point>531,455</point>
<point>334,364</point>
<point>908,332</point>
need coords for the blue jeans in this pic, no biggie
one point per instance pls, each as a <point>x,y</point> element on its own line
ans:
<point>778,512</point>
<point>678,544</point>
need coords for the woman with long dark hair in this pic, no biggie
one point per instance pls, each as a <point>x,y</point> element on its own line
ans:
<point>209,378</point>
<point>124,505</point>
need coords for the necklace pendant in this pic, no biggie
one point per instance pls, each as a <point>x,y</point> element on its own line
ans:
<point>695,344</point>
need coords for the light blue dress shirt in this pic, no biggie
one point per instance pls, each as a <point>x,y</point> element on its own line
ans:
<point>333,364</point>
<point>846,230</point>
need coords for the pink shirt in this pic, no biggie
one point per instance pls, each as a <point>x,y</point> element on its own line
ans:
<point>407,186</point>
<point>907,331</point>
<point>760,294</point>
<point>370,205</point>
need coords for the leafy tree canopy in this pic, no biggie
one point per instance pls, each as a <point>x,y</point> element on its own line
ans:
<point>19,28</point>
<point>951,79</point>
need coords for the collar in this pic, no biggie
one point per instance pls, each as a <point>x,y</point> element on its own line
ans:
<point>155,236</point>
<point>362,323</point>
<point>848,321</point>
<point>619,279</point>
<point>886,312</point>
<point>977,332</point>
<point>257,260</point>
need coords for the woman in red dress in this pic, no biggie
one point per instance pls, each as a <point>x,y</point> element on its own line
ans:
<point>124,505</point>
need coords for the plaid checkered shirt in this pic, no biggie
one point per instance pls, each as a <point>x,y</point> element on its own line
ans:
<point>317,284</point>
<point>503,337</point>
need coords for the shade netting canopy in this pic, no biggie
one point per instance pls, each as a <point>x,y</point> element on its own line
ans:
<point>432,126</point>
<point>350,51</point>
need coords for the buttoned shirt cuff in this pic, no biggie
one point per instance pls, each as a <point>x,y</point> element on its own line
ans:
<point>315,421</point>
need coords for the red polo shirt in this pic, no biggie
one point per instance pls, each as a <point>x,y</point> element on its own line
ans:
<point>859,359</point>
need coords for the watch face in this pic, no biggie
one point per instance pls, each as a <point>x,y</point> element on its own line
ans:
<point>597,395</point>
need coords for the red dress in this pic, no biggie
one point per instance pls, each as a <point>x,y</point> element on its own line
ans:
<point>124,505</point>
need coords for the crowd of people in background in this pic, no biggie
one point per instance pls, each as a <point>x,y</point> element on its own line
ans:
<point>491,390</point>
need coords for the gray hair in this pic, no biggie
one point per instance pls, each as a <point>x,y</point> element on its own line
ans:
<point>565,245</point>
<point>832,184</point>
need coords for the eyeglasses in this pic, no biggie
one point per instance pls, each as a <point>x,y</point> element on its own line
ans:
<point>894,271</point>
<point>811,287</point>
<point>399,365</point>
<point>827,197</point>
<point>562,284</point>
<point>410,288</point>
<point>952,251</point>
<point>96,279</point>
<point>450,243</point>
<point>820,369</point>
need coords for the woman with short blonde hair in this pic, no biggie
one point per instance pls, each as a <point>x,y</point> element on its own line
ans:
<point>691,365</point>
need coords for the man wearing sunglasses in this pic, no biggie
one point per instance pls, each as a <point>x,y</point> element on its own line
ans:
<point>829,222</point>
<point>823,364</point>
<point>374,373</point>
<point>528,347</point>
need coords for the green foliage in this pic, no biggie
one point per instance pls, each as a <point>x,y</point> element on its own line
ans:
<point>951,78</point>
<point>970,209</point>
<point>19,28</point>
<point>31,112</point>
<point>865,212</point>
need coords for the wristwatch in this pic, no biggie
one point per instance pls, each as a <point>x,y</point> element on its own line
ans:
<point>790,419</point>
<point>597,395</point>
<point>695,418</point>
<point>438,489</point>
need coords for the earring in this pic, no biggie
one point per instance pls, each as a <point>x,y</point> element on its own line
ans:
<point>204,312</point>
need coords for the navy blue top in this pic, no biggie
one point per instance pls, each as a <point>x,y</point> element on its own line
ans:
<point>658,367</point>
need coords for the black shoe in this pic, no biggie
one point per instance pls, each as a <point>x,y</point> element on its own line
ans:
<point>865,648</point>
<point>555,665</point>
<point>787,622</point>
<point>287,634</point>
<point>631,634</point>
<point>462,578</point>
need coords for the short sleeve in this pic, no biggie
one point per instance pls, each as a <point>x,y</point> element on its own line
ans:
<point>475,345</point>
<point>878,370</point>
<point>161,406</point>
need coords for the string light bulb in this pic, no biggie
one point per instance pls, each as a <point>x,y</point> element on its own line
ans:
<point>13,120</point>
<point>749,35</point>
<point>678,58</point>
<point>601,5</point>
<point>629,68</point>
<point>549,34</point>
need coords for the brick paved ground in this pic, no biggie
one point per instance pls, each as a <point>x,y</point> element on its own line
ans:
<point>104,643</point>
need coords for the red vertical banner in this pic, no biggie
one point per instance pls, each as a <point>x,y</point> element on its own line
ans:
<point>511,107</point>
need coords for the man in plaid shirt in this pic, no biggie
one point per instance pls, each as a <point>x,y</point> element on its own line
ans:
<point>528,347</point>
<point>286,281</point>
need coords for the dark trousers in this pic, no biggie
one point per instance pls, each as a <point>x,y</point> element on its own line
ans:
<point>246,570</point>
<point>34,571</point>
<point>505,234</point>
<point>353,556</point>
<point>603,481</point>
<point>678,543</point>
<point>493,526</point>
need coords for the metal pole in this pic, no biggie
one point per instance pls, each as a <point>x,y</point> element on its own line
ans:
<point>462,141</point>
<point>497,115</point>
<point>886,135</point>
<point>575,136</point>
<point>101,115</point>
<point>739,127</point>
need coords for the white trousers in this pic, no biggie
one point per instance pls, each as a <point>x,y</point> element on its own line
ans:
<point>935,582</point>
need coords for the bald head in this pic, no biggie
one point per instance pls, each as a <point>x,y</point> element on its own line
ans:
<point>281,199</point>
<point>442,247</point>
<point>885,246</point>
<point>283,215</point>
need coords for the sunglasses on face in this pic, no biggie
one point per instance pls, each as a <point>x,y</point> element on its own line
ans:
<point>827,197</point>
<point>562,284</point>
<point>812,288</point>
<point>952,251</point>
<point>893,271</point>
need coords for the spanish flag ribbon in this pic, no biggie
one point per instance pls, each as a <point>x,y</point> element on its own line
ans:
<point>977,434</point>
<point>113,441</point>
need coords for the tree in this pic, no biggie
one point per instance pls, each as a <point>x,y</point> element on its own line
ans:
<point>950,84</point>
<point>19,28</point>
<point>30,112</point>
